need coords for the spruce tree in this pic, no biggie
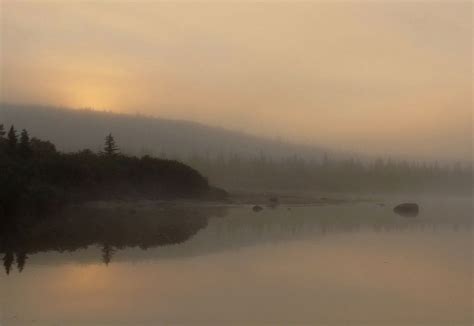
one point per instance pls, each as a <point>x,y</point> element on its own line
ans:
<point>12,140</point>
<point>25,148</point>
<point>110,148</point>
<point>3,141</point>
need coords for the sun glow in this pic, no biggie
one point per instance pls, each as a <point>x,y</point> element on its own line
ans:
<point>341,84</point>
<point>89,95</point>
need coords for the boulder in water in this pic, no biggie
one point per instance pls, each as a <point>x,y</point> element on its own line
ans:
<point>407,209</point>
<point>257,208</point>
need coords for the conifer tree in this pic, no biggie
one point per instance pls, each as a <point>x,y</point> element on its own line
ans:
<point>110,148</point>
<point>25,148</point>
<point>3,141</point>
<point>12,140</point>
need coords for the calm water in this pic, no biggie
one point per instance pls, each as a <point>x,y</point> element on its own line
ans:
<point>351,264</point>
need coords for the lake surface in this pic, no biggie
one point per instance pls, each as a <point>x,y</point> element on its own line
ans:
<point>349,264</point>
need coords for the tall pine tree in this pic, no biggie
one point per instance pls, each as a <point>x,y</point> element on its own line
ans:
<point>2,139</point>
<point>24,148</point>
<point>12,140</point>
<point>110,148</point>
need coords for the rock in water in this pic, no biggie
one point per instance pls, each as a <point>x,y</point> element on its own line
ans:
<point>257,208</point>
<point>407,209</point>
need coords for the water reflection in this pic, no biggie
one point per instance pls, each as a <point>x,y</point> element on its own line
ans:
<point>111,229</point>
<point>345,264</point>
<point>119,229</point>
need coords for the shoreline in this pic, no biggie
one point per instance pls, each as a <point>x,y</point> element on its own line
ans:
<point>234,200</point>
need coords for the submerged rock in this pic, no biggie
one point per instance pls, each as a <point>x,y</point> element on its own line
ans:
<point>257,208</point>
<point>407,209</point>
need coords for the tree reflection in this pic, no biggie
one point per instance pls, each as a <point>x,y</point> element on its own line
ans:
<point>117,228</point>
<point>107,253</point>
<point>111,229</point>
<point>21,258</point>
<point>8,259</point>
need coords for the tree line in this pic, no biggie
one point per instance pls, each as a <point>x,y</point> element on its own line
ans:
<point>35,178</point>
<point>294,173</point>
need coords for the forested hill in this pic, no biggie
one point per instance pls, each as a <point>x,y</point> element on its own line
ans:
<point>36,179</point>
<point>237,161</point>
<point>72,130</point>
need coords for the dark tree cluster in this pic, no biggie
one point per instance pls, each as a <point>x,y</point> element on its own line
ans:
<point>35,178</point>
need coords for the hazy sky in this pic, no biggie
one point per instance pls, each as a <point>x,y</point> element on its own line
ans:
<point>391,77</point>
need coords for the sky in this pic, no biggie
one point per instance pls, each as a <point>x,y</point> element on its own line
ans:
<point>391,78</point>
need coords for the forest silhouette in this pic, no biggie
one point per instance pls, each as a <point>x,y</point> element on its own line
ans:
<point>36,179</point>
